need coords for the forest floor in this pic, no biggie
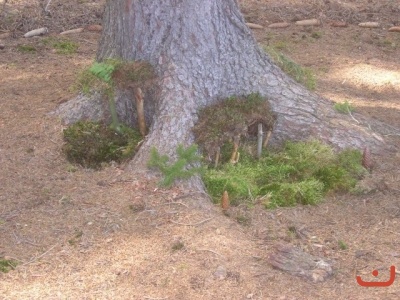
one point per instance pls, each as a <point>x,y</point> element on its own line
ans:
<point>113,234</point>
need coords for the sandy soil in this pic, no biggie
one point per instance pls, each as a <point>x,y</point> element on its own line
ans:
<point>113,234</point>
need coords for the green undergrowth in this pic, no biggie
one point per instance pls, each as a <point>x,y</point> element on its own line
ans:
<point>301,74</point>
<point>107,75</point>
<point>344,107</point>
<point>7,265</point>
<point>61,45</point>
<point>113,72</point>
<point>186,165</point>
<point>92,144</point>
<point>26,48</point>
<point>301,173</point>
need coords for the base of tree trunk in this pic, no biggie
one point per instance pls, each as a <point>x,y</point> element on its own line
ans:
<point>203,52</point>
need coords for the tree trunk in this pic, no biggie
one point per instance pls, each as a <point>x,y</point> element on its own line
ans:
<point>203,51</point>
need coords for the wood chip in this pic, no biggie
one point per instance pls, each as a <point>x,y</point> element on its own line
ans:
<point>279,25</point>
<point>254,26</point>
<point>72,31</point>
<point>94,27</point>
<point>394,29</point>
<point>369,24</point>
<point>310,22</point>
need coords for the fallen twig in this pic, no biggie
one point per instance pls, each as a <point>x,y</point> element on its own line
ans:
<point>192,224</point>
<point>351,115</point>
<point>40,256</point>
<point>212,251</point>
<point>178,203</point>
<point>89,42</point>
<point>46,9</point>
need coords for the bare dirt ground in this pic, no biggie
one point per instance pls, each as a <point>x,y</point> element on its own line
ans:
<point>112,234</point>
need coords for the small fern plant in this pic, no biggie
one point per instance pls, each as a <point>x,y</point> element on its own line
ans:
<point>186,165</point>
<point>104,72</point>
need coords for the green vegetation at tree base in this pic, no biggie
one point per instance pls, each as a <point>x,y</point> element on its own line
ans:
<point>105,76</point>
<point>344,107</point>
<point>91,144</point>
<point>301,74</point>
<point>102,71</point>
<point>186,165</point>
<point>301,173</point>
<point>7,264</point>
<point>236,116</point>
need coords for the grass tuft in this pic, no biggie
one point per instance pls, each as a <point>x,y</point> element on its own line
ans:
<point>26,48</point>
<point>301,74</point>
<point>7,265</point>
<point>61,45</point>
<point>344,107</point>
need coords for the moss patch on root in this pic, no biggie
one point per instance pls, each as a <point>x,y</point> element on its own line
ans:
<point>234,117</point>
<point>91,144</point>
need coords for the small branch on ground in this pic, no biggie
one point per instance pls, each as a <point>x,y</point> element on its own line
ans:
<point>40,256</point>
<point>212,251</point>
<point>192,224</point>
<point>46,9</point>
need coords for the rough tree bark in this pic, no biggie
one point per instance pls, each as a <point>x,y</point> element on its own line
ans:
<point>203,51</point>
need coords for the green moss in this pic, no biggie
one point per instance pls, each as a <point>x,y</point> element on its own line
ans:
<point>26,48</point>
<point>301,173</point>
<point>92,143</point>
<point>316,35</point>
<point>304,192</point>
<point>61,45</point>
<point>233,117</point>
<point>7,264</point>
